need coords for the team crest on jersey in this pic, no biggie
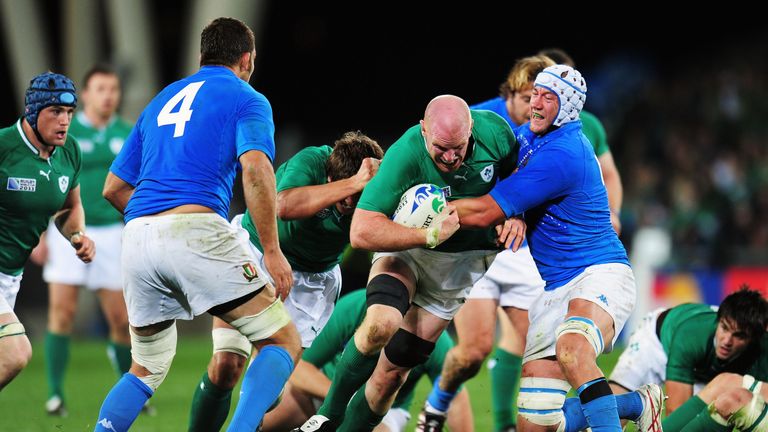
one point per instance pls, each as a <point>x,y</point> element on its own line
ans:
<point>249,272</point>
<point>115,144</point>
<point>63,183</point>
<point>19,184</point>
<point>487,173</point>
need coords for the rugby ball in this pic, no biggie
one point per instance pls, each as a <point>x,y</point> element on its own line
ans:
<point>419,205</point>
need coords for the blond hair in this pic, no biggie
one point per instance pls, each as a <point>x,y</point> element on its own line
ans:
<point>523,74</point>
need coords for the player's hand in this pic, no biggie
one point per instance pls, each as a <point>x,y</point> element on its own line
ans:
<point>446,223</point>
<point>281,273</point>
<point>85,248</point>
<point>511,233</point>
<point>368,169</point>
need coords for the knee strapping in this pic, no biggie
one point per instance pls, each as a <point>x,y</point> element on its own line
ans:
<point>750,383</point>
<point>264,324</point>
<point>155,353</point>
<point>230,340</point>
<point>541,400</point>
<point>388,290</point>
<point>405,349</point>
<point>584,327</point>
<point>11,329</point>
<point>751,417</point>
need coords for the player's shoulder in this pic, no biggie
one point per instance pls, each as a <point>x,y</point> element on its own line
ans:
<point>590,120</point>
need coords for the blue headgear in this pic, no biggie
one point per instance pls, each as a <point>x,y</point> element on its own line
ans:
<point>45,90</point>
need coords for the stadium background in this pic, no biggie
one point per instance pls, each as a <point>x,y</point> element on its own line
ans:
<point>684,102</point>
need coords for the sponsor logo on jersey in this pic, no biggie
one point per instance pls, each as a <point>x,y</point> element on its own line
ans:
<point>47,175</point>
<point>21,184</point>
<point>447,191</point>
<point>487,173</point>
<point>86,145</point>
<point>115,144</point>
<point>63,183</point>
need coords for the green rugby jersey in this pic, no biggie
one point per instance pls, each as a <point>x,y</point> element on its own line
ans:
<point>32,189</point>
<point>687,335</point>
<point>327,348</point>
<point>595,132</point>
<point>314,244</point>
<point>99,147</point>
<point>492,155</point>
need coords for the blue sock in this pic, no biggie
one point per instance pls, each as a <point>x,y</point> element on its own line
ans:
<point>440,399</point>
<point>629,406</point>
<point>261,386</point>
<point>599,406</point>
<point>123,404</point>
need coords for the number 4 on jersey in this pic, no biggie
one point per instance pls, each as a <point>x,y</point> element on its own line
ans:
<point>184,114</point>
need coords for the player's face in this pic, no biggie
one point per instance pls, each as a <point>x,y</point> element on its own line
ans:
<point>544,108</point>
<point>102,94</point>
<point>447,152</point>
<point>53,123</point>
<point>519,105</point>
<point>730,341</point>
<point>348,204</point>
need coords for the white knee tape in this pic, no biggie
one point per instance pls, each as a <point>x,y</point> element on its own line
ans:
<point>750,383</point>
<point>584,327</point>
<point>264,324</point>
<point>541,400</point>
<point>230,340</point>
<point>155,353</point>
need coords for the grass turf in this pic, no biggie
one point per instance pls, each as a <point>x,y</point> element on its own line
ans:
<point>90,377</point>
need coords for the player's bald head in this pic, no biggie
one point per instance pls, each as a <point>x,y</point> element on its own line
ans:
<point>448,117</point>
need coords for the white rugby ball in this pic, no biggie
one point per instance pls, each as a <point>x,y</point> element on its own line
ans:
<point>419,205</point>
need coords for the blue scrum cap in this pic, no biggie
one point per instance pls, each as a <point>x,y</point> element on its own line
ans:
<point>48,89</point>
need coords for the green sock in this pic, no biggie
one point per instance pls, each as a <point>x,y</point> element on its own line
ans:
<point>359,416</point>
<point>120,357</point>
<point>210,406</point>
<point>505,383</point>
<point>676,421</point>
<point>353,369</point>
<point>56,359</point>
<point>703,423</point>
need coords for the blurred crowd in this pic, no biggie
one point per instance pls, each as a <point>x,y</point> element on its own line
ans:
<point>693,152</point>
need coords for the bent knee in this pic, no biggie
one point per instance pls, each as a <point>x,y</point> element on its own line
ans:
<point>226,368</point>
<point>376,333</point>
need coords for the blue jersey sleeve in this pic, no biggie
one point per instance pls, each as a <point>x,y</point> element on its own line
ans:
<point>255,128</point>
<point>544,178</point>
<point>127,164</point>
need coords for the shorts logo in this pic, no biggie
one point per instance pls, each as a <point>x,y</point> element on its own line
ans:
<point>603,299</point>
<point>63,183</point>
<point>249,272</point>
<point>21,184</point>
<point>324,213</point>
<point>487,173</point>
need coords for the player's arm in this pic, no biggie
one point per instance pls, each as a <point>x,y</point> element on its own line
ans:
<point>480,212</point>
<point>117,191</point>
<point>70,221</point>
<point>678,393</point>
<point>374,231</point>
<point>310,379</point>
<point>305,201</point>
<point>259,190</point>
<point>613,186</point>
<point>460,417</point>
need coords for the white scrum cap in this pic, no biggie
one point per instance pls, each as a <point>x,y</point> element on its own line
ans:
<point>570,88</point>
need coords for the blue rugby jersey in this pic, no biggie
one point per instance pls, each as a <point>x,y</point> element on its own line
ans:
<point>559,188</point>
<point>185,146</point>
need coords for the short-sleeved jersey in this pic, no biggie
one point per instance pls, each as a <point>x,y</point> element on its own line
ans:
<point>99,147</point>
<point>327,348</point>
<point>185,146</point>
<point>591,125</point>
<point>32,189</point>
<point>491,155</point>
<point>687,335</point>
<point>560,190</point>
<point>314,244</point>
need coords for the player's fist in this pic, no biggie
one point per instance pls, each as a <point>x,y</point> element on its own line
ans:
<point>368,169</point>
<point>85,248</point>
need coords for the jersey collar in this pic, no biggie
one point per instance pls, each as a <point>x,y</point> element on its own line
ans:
<point>26,141</point>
